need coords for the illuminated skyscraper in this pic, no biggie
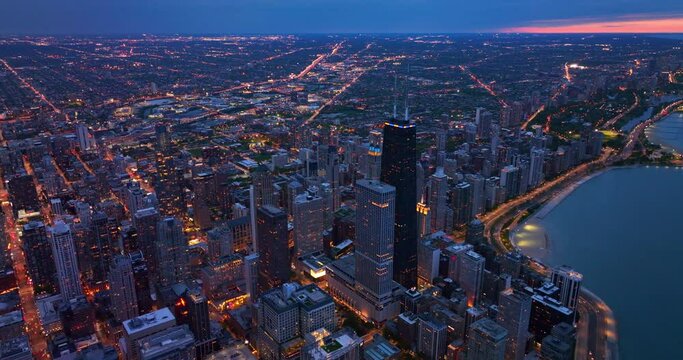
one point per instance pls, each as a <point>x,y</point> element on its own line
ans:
<point>399,156</point>
<point>64,254</point>
<point>41,265</point>
<point>171,251</point>
<point>514,311</point>
<point>167,185</point>
<point>124,302</point>
<point>308,223</point>
<point>273,264</point>
<point>569,282</point>
<point>374,243</point>
<point>145,222</point>
<point>438,199</point>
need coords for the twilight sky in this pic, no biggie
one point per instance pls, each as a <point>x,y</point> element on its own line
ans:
<point>347,16</point>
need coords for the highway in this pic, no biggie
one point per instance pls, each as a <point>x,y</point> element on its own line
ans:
<point>610,123</point>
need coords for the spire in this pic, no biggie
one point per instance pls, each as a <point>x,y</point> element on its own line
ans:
<point>395,95</point>
<point>405,99</point>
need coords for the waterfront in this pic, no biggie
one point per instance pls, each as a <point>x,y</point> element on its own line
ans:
<point>617,230</point>
<point>668,132</point>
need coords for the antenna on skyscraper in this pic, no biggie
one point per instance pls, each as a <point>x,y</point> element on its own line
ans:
<point>395,94</point>
<point>405,117</point>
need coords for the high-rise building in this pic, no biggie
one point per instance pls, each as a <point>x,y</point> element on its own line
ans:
<point>171,251</point>
<point>220,242</point>
<point>462,204</point>
<point>569,282</point>
<point>64,254</point>
<point>428,256</point>
<point>287,313</point>
<point>546,312</point>
<point>486,340</point>
<point>39,259</point>
<point>308,223</point>
<point>438,199</point>
<point>124,302</point>
<point>431,337</point>
<point>536,167</point>
<point>375,211</point>
<point>22,193</point>
<point>478,184</point>
<point>399,156</point>
<point>264,192</point>
<point>374,155</point>
<point>274,264</point>
<point>143,326</point>
<point>341,345</point>
<point>77,317</point>
<point>475,232</point>
<point>85,139</point>
<point>100,247</point>
<point>471,275</point>
<point>143,292</point>
<point>509,180</point>
<point>145,222</point>
<point>514,311</point>
<point>168,186</point>
<point>193,309</point>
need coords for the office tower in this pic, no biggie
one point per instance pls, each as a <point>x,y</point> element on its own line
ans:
<point>163,142</point>
<point>471,275</point>
<point>143,326</point>
<point>420,187</point>
<point>124,301</point>
<point>428,256</point>
<point>22,193</point>
<point>475,232</point>
<point>287,313</point>
<point>135,197</point>
<point>375,211</point>
<point>374,155</point>
<point>486,340</point>
<point>168,186</point>
<point>536,167</point>
<point>171,251</point>
<point>85,140</point>
<point>341,345</point>
<point>399,156</point>
<point>242,237</point>
<point>462,204</point>
<point>142,282</point>
<point>56,207</point>
<point>438,199</point>
<point>193,309</point>
<point>569,282</point>
<point>100,247</point>
<point>39,259</point>
<point>478,184</point>
<point>264,192</point>
<point>274,261</point>
<point>173,343</point>
<point>431,337</point>
<point>78,317</point>
<point>251,275</point>
<point>145,222</point>
<point>308,223</point>
<point>470,132</point>
<point>509,180</point>
<point>64,254</point>
<point>484,124</point>
<point>219,241</point>
<point>514,312</point>
<point>546,312</point>
<point>204,184</point>
<point>553,348</point>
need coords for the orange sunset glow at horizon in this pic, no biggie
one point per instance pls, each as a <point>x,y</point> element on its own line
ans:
<point>621,25</point>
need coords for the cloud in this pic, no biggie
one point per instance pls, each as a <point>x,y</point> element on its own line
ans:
<point>635,23</point>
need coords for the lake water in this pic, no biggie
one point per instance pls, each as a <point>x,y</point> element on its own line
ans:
<point>668,132</point>
<point>623,230</point>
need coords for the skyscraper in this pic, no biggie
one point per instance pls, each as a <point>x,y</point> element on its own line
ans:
<point>375,211</point>
<point>171,251</point>
<point>514,311</point>
<point>486,340</point>
<point>399,156</point>
<point>569,282</point>
<point>374,155</point>
<point>145,222</point>
<point>142,283</point>
<point>431,337</point>
<point>64,254</point>
<point>100,247</point>
<point>308,223</point>
<point>219,241</point>
<point>273,264</point>
<point>462,204</point>
<point>39,259</point>
<point>471,275</point>
<point>167,185</point>
<point>438,199</point>
<point>124,302</point>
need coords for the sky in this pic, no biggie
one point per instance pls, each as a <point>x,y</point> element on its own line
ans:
<point>337,16</point>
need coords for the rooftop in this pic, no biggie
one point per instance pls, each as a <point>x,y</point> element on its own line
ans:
<point>148,321</point>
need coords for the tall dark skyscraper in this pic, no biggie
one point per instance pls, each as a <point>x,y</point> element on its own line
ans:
<point>399,157</point>
<point>274,260</point>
